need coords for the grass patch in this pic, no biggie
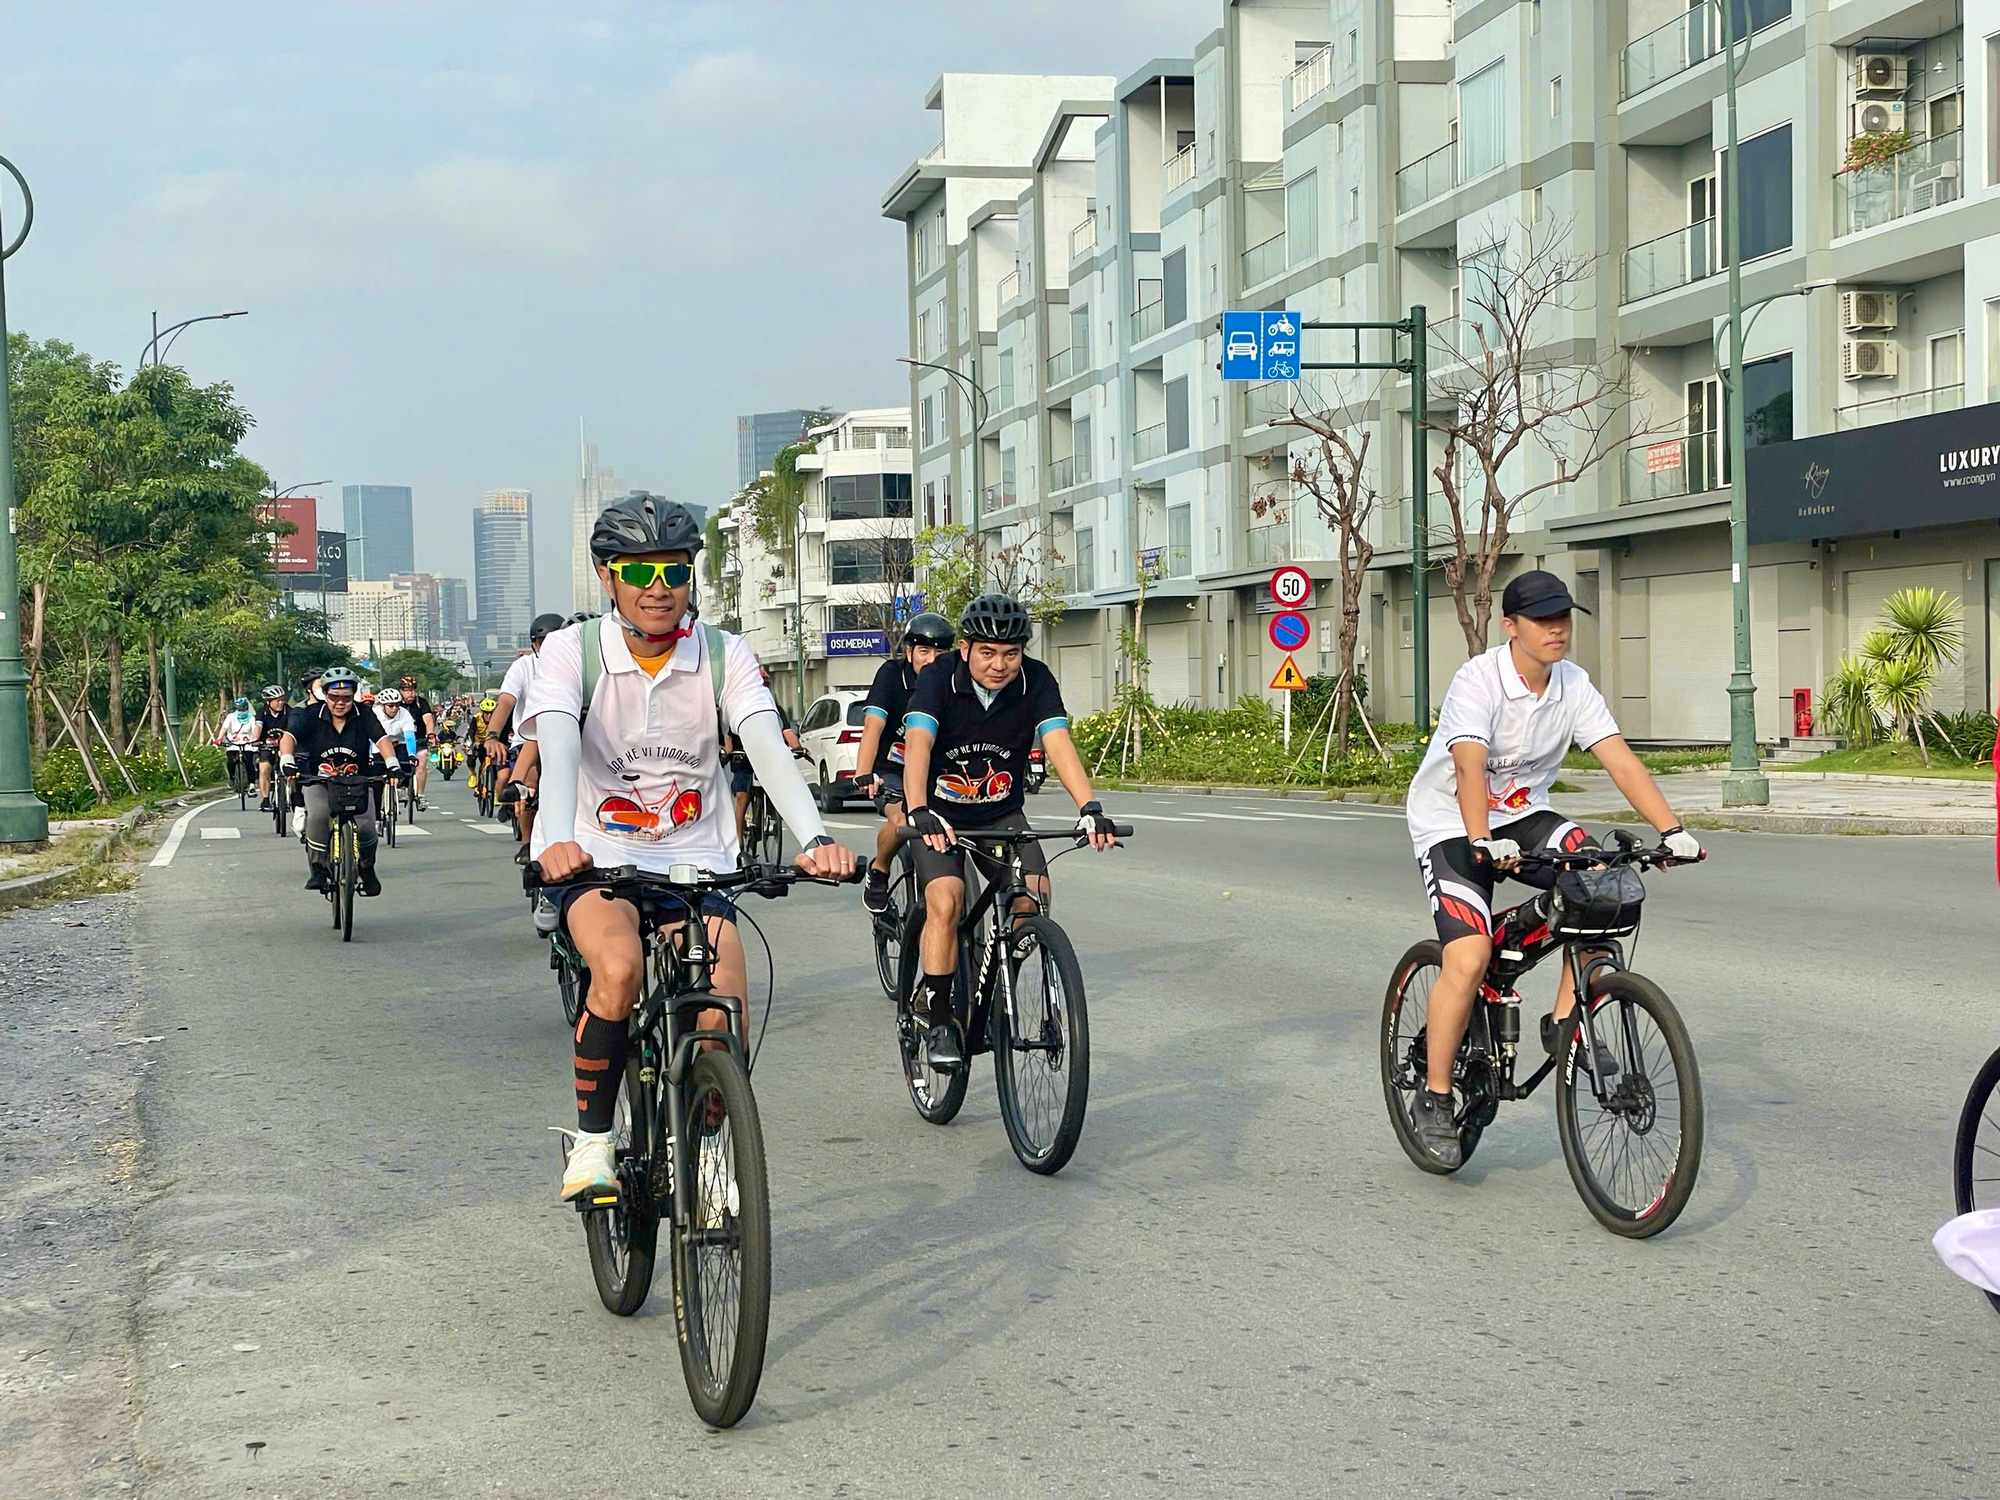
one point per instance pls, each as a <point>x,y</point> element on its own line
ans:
<point>1659,762</point>
<point>1900,759</point>
<point>1559,785</point>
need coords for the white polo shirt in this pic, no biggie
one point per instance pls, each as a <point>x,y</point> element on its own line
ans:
<point>650,790</point>
<point>1525,738</point>
<point>520,677</point>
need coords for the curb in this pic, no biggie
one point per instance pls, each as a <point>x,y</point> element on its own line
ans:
<point>1276,794</point>
<point>1841,823</point>
<point>29,888</point>
<point>1863,778</point>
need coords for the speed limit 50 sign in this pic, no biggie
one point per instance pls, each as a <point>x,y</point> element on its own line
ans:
<point>1291,586</point>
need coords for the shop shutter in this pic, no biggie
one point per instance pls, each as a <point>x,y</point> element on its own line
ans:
<point>1168,674</point>
<point>1691,636</point>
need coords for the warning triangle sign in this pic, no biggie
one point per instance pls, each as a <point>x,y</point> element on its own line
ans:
<point>1289,679</point>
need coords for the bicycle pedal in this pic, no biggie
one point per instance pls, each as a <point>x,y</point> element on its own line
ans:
<point>595,1202</point>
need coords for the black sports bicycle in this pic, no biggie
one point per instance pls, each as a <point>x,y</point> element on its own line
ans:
<point>1018,994</point>
<point>890,922</point>
<point>484,784</point>
<point>1629,1107</point>
<point>346,796</point>
<point>281,787</point>
<point>1975,1157</point>
<point>690,1146</point>
<point>242,773</point>
<point>763,830</point>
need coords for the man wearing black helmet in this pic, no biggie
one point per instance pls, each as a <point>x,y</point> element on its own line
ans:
<point>971,721</point>
<point>628,714</point>
<point>926,638</point>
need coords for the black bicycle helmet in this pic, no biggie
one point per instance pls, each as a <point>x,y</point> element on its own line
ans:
<point>929,629</point>
<point>545,625</point>
<point>640,523</point>
<point>995,617</point>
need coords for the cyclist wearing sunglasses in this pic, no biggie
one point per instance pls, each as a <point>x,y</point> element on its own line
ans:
<point>336,738</point>
<point>972,719</point>
<point>630,744</point>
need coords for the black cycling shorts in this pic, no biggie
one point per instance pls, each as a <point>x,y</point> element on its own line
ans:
<point>1460,886</point>
<point>933,866</point>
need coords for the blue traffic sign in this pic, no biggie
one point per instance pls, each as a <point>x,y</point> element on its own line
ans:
<point>1290,631</point>
<point>1260,345</point>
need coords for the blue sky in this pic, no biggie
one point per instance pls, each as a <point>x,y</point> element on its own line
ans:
<point>460,226</point>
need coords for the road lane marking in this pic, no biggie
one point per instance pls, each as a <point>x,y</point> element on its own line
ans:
<point>489,828</point>
<point>1239,817</point>
<point>173,844</point>
<point>1151,817</point>
<point>841,823</point>
<point>230,832</point>
<point>1307,817</point>
<point>410,830</point>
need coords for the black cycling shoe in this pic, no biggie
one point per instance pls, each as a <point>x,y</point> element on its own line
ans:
<point>265,805</point>
<point>875,892</point>
<point>318,880</point>
<point>1606,1067</point>
<point>520,854</point>
<point>370,885</point>
<point>942,1045</point>
<point>1436,1131</point>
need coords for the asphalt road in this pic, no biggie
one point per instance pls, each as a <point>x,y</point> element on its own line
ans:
<point>352,1254</point>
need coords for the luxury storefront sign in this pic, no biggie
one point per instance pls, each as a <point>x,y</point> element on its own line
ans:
<point>1927,471</point>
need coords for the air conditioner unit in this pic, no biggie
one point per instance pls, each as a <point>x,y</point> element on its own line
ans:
<point>1860,310</point>
<point>1878,117</point>
<point>1867,359</point>
<point>1880,73</point>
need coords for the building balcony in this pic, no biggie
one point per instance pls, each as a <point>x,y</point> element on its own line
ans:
<point>1266,401</point>
<point>1009,288</point>
<point>1268,544</point>
<point>1070,578</point>
<point>1686,41</point>
<point>1149,320</point>
<point>1939,398</point>
<point>1310,78</point>
<point>1684,255</point>
<point>1149,443</point>
<point>1928,175</point>
<point>1427,177</point>
<point>1164,562</point>
<point>1179,172</point>
<point>1083,239</point>
<point>1262,262</point>
<point>1673,466</point>
<point>1062,473</point>
<point>1063,366</point>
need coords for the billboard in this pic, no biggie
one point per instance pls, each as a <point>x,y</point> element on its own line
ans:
<point>332,562</point>
<point>1940,470</point>
<point>293,553</point>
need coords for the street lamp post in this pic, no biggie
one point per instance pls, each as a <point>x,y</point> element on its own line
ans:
<point>24,819</point>
<point>976,398</point>
<point>172,331</point>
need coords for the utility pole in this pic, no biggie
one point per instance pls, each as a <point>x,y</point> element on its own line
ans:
<point>24,818</point>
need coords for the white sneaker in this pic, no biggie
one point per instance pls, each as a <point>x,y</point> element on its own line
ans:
<point>715,1185</point>
<point>592,1167</point>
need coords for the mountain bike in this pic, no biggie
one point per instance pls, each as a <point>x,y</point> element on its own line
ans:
<point>763,830</point>
<point>242,773</point>
<point>281,793</point>
<point>1975,1157</point>
<point>1028,1011</point>
<point>387,812</point>
<point>1631,1137</point>
<point>690,1147</point>
<point>483,786</point>
<point>346,796</point>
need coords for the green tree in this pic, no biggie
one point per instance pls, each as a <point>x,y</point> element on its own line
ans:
<point>955,568</point>
<point>434,674</point>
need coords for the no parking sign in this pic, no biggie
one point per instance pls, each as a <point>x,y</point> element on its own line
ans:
<point>1289,630</point>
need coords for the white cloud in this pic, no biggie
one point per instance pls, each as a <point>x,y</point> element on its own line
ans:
<point>720,83</point>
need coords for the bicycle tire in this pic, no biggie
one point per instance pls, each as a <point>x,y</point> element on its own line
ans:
<point>1403,1056</point>
<point>573,981</point>
<point>281,805</point>
<point>773,835</point>
<point>623,1241</point>
<point>388,817</point>
<point>889,926</point>
<point>350,865</point>
<point>1621,989</point>
<point>1982,1106</point>
<point>1045,1144</point>
<point>722,1356</point>
<point>937,1095</point>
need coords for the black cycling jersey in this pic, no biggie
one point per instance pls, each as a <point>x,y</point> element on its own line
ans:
<point>888,699</point>
<point>418,705</point>
<point>272,722</point>
<point>320,741</point>
<point>979,762</point>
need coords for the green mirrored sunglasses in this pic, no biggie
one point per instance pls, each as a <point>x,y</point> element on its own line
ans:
<point>641,574</point>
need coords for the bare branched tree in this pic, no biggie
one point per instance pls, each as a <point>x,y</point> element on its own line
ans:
<point>1519,420</point>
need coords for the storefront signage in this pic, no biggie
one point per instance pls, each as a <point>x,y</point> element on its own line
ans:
<point>857,643</point>
<point>1928,471</point>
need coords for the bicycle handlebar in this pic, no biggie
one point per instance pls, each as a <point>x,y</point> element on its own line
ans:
<point>371,778</point>
<point>1632,854</point>
<point>907,834</point>
<point>763,879</point>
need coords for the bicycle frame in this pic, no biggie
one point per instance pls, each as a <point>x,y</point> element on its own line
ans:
<point>1519,947</point>
<point>996,901</point>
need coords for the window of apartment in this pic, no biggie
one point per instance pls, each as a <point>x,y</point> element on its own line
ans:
<point>1353,49</point>
<point>929,421</point>
<point>1535,18</point>
<point>1479,298</point>
<point>930,503</point>
<point>1767,397</point>
<point>1353,205</point>
<point>1992,114</point>
<point>1947,359</point>
<point>871,560</point>
<point>867,497</point>
<point>1173,288</point>
<point>1482,121</point>
<point>1008,475</point>
<point>925,318</point>
<point>1180,541</point>
<point>1766,193</point>
<point>855,617</point>
<point>1535,206</point>
<point>1086,561</point>
<point>1006,377</point>
<point>1302,218</point>
<point>1177,414</point>
<point>945,495</point>
<point>1079,335</point>
<point>1555,90</point>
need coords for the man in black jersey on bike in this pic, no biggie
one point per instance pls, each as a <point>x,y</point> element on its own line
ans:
<point>927,637</point>
<point>971,721</point>
<point>272,718</point>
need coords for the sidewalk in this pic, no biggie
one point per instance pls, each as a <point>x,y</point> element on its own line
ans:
<point>1808,803</point>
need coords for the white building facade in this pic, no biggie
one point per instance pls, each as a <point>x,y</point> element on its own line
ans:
<point>1347,159</point>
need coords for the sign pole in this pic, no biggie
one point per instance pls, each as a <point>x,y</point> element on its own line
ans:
<point>1288,721</point>
<point>24,818</point>
<point>1420,526</point>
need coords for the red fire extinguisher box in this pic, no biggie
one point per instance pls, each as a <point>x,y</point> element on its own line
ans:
<point>1802,715</point>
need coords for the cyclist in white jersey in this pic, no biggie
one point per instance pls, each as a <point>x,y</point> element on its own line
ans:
<point>635,777</point>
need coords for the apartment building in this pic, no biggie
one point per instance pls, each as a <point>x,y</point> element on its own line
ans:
<point>1347,159</point>
<point>846,570</point>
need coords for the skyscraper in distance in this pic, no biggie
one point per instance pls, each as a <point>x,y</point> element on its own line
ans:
<point>381,538</point>
<point>761,434</point>
<point>596,487</point>
<point>503,560</point>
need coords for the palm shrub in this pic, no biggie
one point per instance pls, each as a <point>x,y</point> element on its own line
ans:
<point>1847,703</point>
<point>1922,625</point>
<point>1895,673</point>
<point>1968,735</point>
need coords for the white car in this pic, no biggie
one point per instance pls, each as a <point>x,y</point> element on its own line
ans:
<point>830,734</point>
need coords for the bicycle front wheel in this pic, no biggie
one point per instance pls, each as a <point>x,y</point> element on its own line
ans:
<point>722,1241</point>
<point>623,1240</point>
<point>1041,1053</point>
<point>1633,1153</point>
<point>281,805</point>
<point>350,865</point>
<point>1975,1162</point>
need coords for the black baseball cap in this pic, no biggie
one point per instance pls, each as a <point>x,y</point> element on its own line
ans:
<point>545,625</point>
<point>1537,595</point>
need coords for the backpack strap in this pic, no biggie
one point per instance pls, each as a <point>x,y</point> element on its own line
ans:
<point>718,662</point>
<point>593,660</point>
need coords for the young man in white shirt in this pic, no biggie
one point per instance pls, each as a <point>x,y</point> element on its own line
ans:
<point>638,780</point>
<point>1481,798</point>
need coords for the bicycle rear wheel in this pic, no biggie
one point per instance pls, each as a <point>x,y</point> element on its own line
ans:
<point>773,836</point>
<point>1975,1161</point>
<point>1633,1155</point>
<point>938,1095</point>
<point>281,804</point>
<point>889,926</point>
<point>350,865</point>
<point>1041,1055</point>
<point>1405,1049</point>
<point>623,1240</point>
<point>722,1241</point>
<point>388,816</point>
